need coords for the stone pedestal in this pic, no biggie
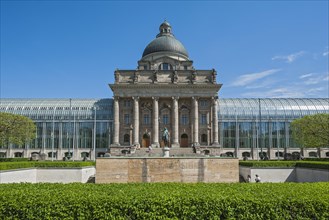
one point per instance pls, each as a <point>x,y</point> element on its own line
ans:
<point>166,151</point>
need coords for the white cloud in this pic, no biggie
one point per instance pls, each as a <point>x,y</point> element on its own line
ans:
<point>266,83</point>
<point>314,90</point>
<point>289,58</point>
<point>252,77</point>
<point>280,92</point>
<point>315,78</point>
<point>325,53</point>
<point>306,75</point>
<point>326,78</point>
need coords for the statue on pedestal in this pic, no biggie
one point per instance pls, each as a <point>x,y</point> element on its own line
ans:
<point>165,136</point>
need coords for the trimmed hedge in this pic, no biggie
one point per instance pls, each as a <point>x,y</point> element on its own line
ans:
<point>48,164</point>
<point>284,163</point>
<point>18,159</point>
<point>268,163</point>
<point>313,164</point>
<point>316,159</point>
<point>165,201</point>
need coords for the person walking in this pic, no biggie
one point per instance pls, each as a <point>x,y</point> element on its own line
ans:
<point>257,179</point>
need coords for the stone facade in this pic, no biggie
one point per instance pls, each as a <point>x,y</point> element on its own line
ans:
<point>187,170</point>
<point>165,91</point>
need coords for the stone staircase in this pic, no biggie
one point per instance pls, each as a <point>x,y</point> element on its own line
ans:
<point>157,152</point>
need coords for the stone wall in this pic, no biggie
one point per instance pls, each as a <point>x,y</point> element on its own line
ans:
<point>295,174</point>
<point>47,175</point>
<point>189,170</point>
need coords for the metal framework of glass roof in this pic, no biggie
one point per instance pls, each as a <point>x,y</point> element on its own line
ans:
<point>230,108</point>
<point>58,108</point>
<point>271,108</point>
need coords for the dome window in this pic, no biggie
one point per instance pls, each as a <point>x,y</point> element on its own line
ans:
<point>165,66</point>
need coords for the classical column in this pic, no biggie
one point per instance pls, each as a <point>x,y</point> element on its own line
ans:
<point>195,121</point>
<point>136,121</point>
<point>175,120</point>
<point>116,122</point>
<point>155,121</point>
<point>215,121</point>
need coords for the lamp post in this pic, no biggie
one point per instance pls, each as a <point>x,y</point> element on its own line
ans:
<point>94,138</point>
<point>70,129</point>
<point>260,129</point>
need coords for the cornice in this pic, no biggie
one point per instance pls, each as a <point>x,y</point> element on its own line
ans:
<point>165,86</point>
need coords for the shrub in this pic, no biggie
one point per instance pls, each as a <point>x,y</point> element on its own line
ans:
<point>165,201</point>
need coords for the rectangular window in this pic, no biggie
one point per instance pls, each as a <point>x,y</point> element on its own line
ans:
<point>165,66</point>
<point>184,120</point>
<point>165,119</point>
<point>203,103</point>
<point>126,103</point>
<point>203,119</point>
<point>146,119</point>
<point>185,67</point>
<point>127,119</point>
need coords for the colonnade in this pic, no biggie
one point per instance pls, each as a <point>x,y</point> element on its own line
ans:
<point>155,121</point>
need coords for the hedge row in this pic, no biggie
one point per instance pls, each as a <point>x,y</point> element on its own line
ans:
<point>48,164</point>
<point>165,201</point>
<point>18,159</point>
<point>268,163</point>
<point>284,163</point>
<point>316,159</point>
<point>313,164</point>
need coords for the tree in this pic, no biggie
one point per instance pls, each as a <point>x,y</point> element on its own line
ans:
<point>15,129</point>
<point>311,130</point>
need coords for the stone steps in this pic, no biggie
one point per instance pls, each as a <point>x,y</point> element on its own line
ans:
<point>159,152</point>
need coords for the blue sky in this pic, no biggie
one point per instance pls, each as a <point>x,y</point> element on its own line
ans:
<point>70,49</point>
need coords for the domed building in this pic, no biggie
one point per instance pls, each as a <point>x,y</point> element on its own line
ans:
<point>165,94</point>
<point>165,91</point>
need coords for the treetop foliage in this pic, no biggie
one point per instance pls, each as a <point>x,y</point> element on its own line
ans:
<point>311,130</point>
<point>15,129</point>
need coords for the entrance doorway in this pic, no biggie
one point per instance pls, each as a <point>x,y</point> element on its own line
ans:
<point>146,140</point>
<point>184,140</point>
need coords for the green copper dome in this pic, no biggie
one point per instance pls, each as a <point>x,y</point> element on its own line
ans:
<point>165,42</point>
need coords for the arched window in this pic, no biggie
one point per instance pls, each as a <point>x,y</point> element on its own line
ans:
<point>52,154</point>
<point>18,154</point>
<point>312,154</point>
<point>246,154</point>
<point>126,138</point>
<point>85,154</point>
<point>295,155</point>
<point>68,155</point>
<point>279,153</point>
<point>262,155</point>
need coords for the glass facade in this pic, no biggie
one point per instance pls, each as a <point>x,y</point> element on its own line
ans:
<point>65,124</point>
<point>79,125</point>
<point>263,123</point>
